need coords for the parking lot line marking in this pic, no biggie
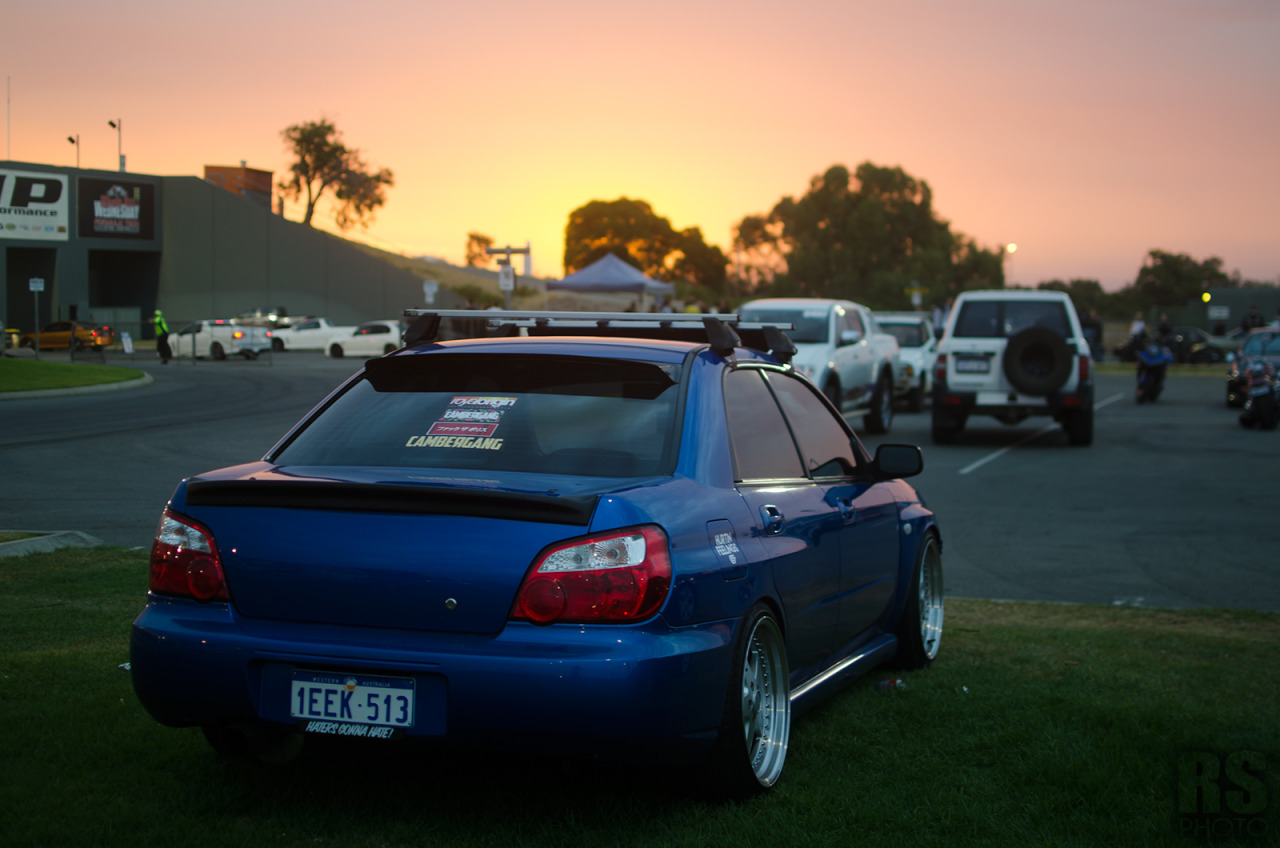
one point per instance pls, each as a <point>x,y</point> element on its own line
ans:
<point>974,466</point>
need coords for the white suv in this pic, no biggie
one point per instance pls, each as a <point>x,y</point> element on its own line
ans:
<point>1012,354</point>
<point>841,348</point>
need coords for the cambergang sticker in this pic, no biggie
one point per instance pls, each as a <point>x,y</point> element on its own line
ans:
<point>468,422</point>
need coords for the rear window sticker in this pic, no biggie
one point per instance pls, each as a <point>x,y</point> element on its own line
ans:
<point>469,421</point>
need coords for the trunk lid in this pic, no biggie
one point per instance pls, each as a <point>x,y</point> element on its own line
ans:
<point>400,551</point>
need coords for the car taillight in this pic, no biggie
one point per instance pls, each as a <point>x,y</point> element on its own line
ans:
<point>185,561</point>
<point>238,334</point>
<point>940,368</point>
<point>614,578</point>
<point>1085,369</point>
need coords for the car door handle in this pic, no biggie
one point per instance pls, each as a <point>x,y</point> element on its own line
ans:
<point>773,520</point>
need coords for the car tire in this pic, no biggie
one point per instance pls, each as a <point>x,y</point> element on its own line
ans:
<point>915,398</point>
<point>249,354</point>
<point>388,348</point>
<point>1079,424</point>
<point>1037,361</point>
<point>216,351</point>
<point>831,389</point>
<point>277,346</point>
<point>946,428</point>
<point>335,351</point>
<point>919,630</point>
<point>880,417</point>
<point>756,725</point>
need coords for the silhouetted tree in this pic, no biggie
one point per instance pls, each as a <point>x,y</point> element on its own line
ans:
<point>477,244</point>
<point>324,164</point>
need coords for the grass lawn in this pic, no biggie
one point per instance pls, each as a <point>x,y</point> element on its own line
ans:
<point>1039,725</point>
<point>23,375</point>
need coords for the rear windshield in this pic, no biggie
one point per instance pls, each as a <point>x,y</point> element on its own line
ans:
<point>812,325</point>
<point>908,335</point>
<point>541,414</point>
<point>1260,344</point>
<point>1003,318</point>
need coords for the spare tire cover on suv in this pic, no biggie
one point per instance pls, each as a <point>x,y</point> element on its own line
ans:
<point>1037,361</point>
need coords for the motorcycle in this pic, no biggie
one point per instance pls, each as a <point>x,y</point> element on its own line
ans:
<point>1261,407</point>
<point>1153,361</point>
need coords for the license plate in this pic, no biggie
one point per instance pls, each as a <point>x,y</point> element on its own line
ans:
<point>352,698</point>
<point>973,365</point>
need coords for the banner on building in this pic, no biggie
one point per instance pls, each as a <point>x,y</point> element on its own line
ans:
<point>33,205</point>
<point>117,209</point>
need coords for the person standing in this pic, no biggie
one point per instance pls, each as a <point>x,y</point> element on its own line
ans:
<point>941,310</point>
<point>162,338</point>
<point>1253,318</point>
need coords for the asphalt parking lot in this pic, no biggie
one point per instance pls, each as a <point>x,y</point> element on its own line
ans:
<point>1173,505</point>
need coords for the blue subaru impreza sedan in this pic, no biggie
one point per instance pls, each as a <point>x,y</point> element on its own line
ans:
<point>625,536</point>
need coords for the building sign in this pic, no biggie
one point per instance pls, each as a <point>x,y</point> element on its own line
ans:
<point>33,205</point>
<point>117,209</point>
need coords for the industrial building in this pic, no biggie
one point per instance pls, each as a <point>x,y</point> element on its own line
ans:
<point>111,247</point>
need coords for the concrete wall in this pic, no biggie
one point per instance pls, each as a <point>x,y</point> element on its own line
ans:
<point>225,255</point>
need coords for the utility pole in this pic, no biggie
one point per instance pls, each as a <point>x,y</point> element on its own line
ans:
<point>506,273</point>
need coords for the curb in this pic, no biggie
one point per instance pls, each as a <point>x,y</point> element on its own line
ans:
<point>51,540</point>
<point>137,383</point>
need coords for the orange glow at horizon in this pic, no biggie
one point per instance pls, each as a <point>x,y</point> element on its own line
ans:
<point>503,118</point>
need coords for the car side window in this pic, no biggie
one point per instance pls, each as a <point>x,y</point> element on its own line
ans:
<point>826,446</point>
<point>759,437</point>
<point>850,321</point>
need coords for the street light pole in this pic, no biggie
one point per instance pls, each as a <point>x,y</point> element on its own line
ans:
<point>118,126</point>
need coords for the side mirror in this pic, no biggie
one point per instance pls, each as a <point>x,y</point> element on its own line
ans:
<point>848,337</point>
<point>896,461</point>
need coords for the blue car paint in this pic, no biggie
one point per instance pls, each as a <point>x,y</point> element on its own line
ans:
<point>657,685</point>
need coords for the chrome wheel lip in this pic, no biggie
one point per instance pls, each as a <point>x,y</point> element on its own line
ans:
<point>931,603</point>
<point>766,701</point>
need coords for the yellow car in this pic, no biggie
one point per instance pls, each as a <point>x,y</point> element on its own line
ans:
<point>58,335</point>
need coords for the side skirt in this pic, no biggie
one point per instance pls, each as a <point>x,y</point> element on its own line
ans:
<point>881,649</point>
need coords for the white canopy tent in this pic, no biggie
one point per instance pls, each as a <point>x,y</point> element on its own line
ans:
<point>611,274</point>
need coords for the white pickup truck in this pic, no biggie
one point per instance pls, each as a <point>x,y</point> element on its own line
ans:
<point>308,334</point>
<point>841,348</point>
<point>219,338</point>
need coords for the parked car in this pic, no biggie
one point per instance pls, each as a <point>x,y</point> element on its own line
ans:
<point>1260,345</point>
<point>841,348</point>
<point>218,338</point>
<point>58,335</point>
<point>608,539</point>
<point>1012,354</point>
<point>1194,345</point>
<point>372,338</point>
<point>918,349</point>
<point>308,334</point>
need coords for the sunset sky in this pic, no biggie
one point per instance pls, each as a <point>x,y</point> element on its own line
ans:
<point>1088,132</point>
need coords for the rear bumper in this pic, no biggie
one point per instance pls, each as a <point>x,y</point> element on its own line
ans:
<point>629,693</point>
<point>1009,405</point>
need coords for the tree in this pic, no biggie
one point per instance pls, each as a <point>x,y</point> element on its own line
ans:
<point>869,236</point>
<point>325,165</point>
<point>1087,295</point>
<point>633,232</point>
<point>1174,279</point>
<point>477,244</point>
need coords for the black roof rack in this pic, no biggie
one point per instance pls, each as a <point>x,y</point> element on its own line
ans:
<point>723,332</point>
